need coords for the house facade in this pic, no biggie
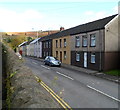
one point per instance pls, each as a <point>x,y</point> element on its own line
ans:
<point>61,49</point>
<point>87,49</point>
<point>112,50</point>
<point>96,46</point>
<point>35,48</point>
<point>46,48</point>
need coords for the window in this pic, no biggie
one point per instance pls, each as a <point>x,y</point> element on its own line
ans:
<point>60,43</point>
<point>92,57</point>
<point>84,41</point>
<point>92,40</point>
<point>49,44</point>
<point>56,43</point>
<point>44,54</point>
<point>56,54</point>
<point>65,55</point>
<point>44,45</point>
<point>77,56</point>
<point>77,41</point>
<point>65,43</point>
<point>47,53</point>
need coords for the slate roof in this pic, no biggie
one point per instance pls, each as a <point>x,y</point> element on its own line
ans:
<point>88,27</point>
<point>22,44</point>
<point>34,41</point>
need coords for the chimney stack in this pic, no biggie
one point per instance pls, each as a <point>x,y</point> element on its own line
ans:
<point>61,28</point>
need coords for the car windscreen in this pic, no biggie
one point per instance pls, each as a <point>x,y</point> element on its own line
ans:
<point>52,58</point>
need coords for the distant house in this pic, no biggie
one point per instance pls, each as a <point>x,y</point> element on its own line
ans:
<point>35,48</point>
<point>22,48</point>
<point>47,45</point>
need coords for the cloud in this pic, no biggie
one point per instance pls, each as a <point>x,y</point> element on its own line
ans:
<point>11,20</point>
<point>93,15</point>
<point>115,9</point>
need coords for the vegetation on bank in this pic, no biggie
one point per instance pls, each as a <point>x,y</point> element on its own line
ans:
<point>14,40</point>
<point>114,72</point>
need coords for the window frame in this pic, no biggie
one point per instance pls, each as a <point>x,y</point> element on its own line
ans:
<point>56,43</point>
<point>60,43</point>
<point>77,56</point>
<point>84,38</point>
<point>65,55</point>
<point>65,42</point>
<point>93,56</point>
<point>91,40</point>
<point>57,54</point>
<point>77,41</point>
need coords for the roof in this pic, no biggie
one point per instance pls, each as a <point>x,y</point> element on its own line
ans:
<point>35,40</point>
<point>22,44</point>
<point>88,27</point>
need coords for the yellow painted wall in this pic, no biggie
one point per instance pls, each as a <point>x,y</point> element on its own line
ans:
<point>62,49</point>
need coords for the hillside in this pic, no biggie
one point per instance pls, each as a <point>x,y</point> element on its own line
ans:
<point>33,33</point>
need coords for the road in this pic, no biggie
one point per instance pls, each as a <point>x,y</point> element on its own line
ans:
<point>78,89</point>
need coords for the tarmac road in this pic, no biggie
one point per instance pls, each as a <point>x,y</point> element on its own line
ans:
<point>78,89</point>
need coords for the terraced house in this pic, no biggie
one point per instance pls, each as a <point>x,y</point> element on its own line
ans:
<point>93,45</point>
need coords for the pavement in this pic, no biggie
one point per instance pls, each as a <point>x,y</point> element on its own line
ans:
<point>88,71</point>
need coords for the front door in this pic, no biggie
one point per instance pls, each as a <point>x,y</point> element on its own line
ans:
<point>85,59</point>
<point>61,56</point>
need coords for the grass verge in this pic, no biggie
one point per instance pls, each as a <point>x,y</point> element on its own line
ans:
<point>114,72</point>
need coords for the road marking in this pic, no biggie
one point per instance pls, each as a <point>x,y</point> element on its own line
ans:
<point>104,93</point>
<point>53,94</point>
<point>34,62</point>
<point>64,75</point>
<point>45,67</point>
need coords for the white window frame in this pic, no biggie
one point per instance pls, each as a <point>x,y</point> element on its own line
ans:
<point>77,57</point>
<point>85,42</point>
<point>93,40</point>
<point>77,41</point>
<point>92,57</point>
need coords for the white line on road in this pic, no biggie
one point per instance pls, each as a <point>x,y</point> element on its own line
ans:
<point>34,62</point>
<point>104,93</point>
<point>64,75</point>
<point>45,67</point>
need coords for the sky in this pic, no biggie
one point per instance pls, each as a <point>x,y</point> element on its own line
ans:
<point>36,15</point>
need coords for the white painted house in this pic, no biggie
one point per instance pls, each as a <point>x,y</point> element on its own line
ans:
<point>35,48</point>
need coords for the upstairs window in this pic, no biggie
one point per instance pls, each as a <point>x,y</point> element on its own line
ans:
<point>60,43</point>
<point>65,43</point>
<point>49,44</point>
<point>84,41</point>
<point>77,41</point>
<point>56,43</point>
<point>92,40</point>
<point>46,44</point>
<point>92,57</point>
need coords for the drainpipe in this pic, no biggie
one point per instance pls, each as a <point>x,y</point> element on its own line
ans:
<point>100,65</point>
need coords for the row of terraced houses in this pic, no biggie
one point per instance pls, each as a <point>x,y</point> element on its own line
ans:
<point>93,45</point>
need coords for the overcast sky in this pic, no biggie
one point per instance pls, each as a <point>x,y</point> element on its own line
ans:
<point>32,15</point>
